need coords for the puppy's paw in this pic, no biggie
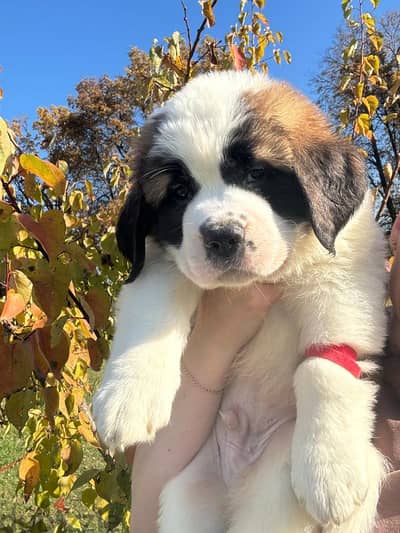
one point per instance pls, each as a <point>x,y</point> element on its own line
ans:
<point>330,480</point>
<point>126,413</point>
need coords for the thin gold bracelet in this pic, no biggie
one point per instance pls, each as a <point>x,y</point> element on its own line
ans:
<point>195,382</point>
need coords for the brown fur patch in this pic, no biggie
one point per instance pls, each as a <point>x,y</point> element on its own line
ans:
<point>153,182</point>
<point>279,107</point>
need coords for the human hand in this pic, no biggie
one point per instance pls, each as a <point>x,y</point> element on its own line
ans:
<point>395,271</point>
<point>229,318</point>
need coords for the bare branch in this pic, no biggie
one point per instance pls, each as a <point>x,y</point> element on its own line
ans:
<point>187,25</point>
<point>196,43</point>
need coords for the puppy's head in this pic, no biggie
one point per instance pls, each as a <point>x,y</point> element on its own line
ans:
<point>230,172</point>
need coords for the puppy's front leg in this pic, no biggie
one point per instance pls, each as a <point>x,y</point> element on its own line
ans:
<point>143,372</point>
<point>334,464</point>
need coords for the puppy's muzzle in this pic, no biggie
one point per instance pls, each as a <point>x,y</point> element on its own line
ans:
<point>224,243</point>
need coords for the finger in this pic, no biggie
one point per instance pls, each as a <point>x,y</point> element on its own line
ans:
<point>394,238</point>
<point>395,283</point>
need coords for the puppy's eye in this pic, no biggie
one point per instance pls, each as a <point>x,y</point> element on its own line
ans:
<point>180,191</point>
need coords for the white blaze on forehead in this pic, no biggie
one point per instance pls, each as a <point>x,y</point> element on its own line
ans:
<point>198,120</point>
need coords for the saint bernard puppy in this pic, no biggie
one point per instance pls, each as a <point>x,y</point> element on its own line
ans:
<point>241,179</point>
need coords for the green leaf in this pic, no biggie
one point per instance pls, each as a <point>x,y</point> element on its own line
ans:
<point>49,173</point>
<point>17,407</point>
<point>88,497</point>
<point>8,232</point>
<point>5,211</point>
<point>85,477</point>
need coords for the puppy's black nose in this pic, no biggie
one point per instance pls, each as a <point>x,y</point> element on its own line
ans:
<point>222,243</point>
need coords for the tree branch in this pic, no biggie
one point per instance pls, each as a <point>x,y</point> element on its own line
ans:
<point>196,43</point>
<point>387,198</point>
<point>187,25</point>
<point>384,184</point>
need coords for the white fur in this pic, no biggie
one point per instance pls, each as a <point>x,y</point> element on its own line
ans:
<point>324,471</point>
<point>143,374</point>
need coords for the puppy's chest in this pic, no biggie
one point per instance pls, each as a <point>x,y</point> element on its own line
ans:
<point>264,371</point>
<point>259,398</point>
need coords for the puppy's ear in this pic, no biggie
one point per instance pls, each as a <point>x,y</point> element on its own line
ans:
<point>332,174</point>
<point>134,224</point>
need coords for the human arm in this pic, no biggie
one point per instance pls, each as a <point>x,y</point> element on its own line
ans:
<point>394,331</point>
<point>226,320</point>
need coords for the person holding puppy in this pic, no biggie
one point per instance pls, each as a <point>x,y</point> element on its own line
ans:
<point>226,320</point>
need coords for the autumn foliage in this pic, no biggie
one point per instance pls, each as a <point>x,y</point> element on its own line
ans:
<point>59,264</point>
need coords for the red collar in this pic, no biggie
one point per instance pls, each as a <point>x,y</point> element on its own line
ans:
<point>341,354</point>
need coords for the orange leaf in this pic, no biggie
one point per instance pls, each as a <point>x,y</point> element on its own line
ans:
<point>13,306</point>
<point>39,317</point>
<point>49,231</point>
<point>16,364</point>
<point>56,355</point>
<point>29,473</point>
<point>239,60</point>
<point>99,302</point>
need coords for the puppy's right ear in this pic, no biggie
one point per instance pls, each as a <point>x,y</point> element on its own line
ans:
<point>133,226</point>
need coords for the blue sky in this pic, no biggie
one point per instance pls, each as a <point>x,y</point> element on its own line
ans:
<point>47,46</point>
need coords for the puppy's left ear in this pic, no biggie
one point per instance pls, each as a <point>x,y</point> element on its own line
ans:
<point>332,174</point>
<point>134,224</point>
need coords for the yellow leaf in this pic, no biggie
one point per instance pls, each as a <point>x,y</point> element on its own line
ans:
<point>277,56</point>
<point>363,124</point>
<point>371,102</point>
<point>260,49</point>
<point>359,89</point>
<point>390,116</point>
<point>72,455</point>
<point>344,116</point>
<point>368,20</point>
<point>377,42</point>
<point>263,19</point>
<point>288,57</point>
<point>387,171</point>
<point>29,473</point>
<point>6,146</point>
<point>49,173</point>
<point>207,11</point>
